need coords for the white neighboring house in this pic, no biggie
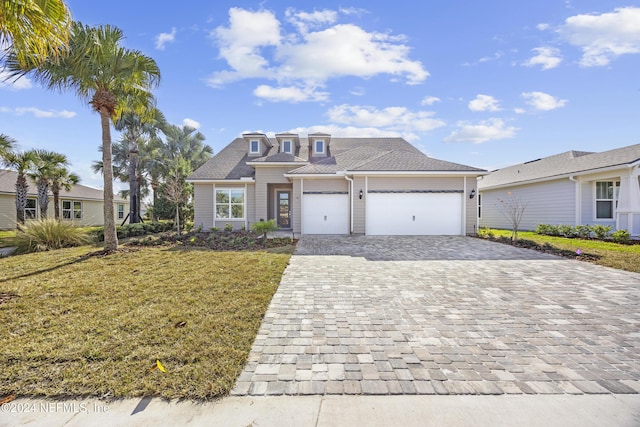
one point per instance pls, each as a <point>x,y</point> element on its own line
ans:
<point>572,188</point>
<point>82,205</point>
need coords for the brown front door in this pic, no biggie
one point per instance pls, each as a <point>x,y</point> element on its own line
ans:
<point>284,209</point>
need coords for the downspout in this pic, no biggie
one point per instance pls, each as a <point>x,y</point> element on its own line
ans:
<point>578,201</point>
<point>464,206</point>
<point>351,202</point>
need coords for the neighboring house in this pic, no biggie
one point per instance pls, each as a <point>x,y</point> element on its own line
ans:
<point>572,188</point>
<point>325,185</point>
<point>82,204</point>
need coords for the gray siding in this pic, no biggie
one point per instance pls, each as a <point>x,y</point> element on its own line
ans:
<point>471,219</point>
<point>551,202</point>
<point>203,206</point>
<point>359,206</point>
<point>265,176</point>
<point>418,183</point>
<point>297,206</point>
<point>326,185</point>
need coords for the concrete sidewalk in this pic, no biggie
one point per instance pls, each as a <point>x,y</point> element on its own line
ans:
<point>318,411</point>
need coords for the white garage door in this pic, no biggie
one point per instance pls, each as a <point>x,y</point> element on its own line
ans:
<point>414,214</point>
<point>325,214</point>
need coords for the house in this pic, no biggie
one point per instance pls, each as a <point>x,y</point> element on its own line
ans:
<point>572,188</point>
<point>324,185</point>
<point>81,204</point>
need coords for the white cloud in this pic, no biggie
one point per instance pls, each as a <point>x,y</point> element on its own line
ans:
<point>38,113</point>
<point>519,110</point>
<point>543,101</point>
<point>484,103</point>
<point>547,58</point>
<point>486,130</point>
<point>543,26</point>
<point>290,94</point>
<point>399,119</point>
<point>255,46</point>
<point>604,37</point>
<point>429,100</point>
<point>11,83</point>
<point>347,131</point>
<point>191,123</point>
<point>358,91</point>
<point>163,38</point>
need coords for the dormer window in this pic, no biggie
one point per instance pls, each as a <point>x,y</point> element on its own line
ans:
<point>318,147</point>
<point>254,145</point>
<point>286,146</point>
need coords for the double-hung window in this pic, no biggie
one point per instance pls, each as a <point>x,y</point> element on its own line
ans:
<point>254,146</point>
<point>319,147</point>
<point>30,210</point>
<point>606,199</point>
<point>120,211</point>
<point>71,209</point>
<point>230,203</point>
<point>286,147</point>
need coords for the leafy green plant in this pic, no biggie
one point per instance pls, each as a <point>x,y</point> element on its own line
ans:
<point>48,234</point>
<point>485,233</point>
<point>567,231</point>
<point>583,231</point>
<point>601,231</point>
<point>621,236</point>
<point>264,227</point>
<point>228,227</point>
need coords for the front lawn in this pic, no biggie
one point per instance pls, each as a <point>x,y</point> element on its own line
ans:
<point>6,238</point>
<point>77,323</point>
<point>609,254</point>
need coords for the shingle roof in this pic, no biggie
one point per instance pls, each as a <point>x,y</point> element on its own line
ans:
<point>346,154</point>
<point>570,162</point>
<point>78,191</point>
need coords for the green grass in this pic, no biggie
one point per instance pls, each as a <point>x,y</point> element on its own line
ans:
<point>76,325</point>
<point>623,257</point>
<point>6,238</point>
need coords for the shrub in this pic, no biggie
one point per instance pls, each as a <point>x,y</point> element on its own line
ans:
<point>264,227</point>
<point>567,231</point>
<point>548,230</point>
<point>48,234</point>
<point>485,233</point>
<point>601,231</point>
<point>621,236</point>
<point>228,227</point>
<point>583,231</point>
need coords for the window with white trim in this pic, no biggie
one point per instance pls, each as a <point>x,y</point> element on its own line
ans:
<point>71,209</point>
<point>31,209</point>
<point>319,146</point>
<point>254,146</point>
<point>120,211</point>
<point>606,199</point>
<point>479,205</point>
<point>286,146</point>
<point>230,203</point>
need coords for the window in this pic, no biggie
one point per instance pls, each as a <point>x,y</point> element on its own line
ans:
<point>30,210</point>
<point>319,147</point>
<point>254,146</point>
<point>286,147</point>
<point>120,211</point>
<point>479,205</point>
<point>230,204</point>
<point>606,197</point>
<point>71,209</point>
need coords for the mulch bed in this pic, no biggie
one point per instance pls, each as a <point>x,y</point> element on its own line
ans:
<point>545,248</point>
<point>220,240</point>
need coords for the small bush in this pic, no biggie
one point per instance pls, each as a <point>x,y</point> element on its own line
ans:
<point>583,231</point>
<point>601,231</point>
<point>264,227</point>
<point>567,231</point>
<point>485,233</point>
<point>228,227</point>
<point>548,230</point>
<point>49,234</point>
<point>621,236</point>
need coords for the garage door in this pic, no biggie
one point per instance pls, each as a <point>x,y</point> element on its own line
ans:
<point>414,214</point>
<point>325,214</point>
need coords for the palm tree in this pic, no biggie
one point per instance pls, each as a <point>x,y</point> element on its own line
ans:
<point>186,142</point>
<point>21,162</point>
<point>61,178</point>
<point>34,29</point>
<point>112,79</point>
<point>6,145</point>
<point>45,165</point>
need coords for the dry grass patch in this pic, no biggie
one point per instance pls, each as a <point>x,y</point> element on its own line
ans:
<point>78,325</point>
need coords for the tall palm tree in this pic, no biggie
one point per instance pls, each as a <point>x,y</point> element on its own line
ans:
<point>21,162</point>
<point>186,142</point>
<point>6,145</point>
<point>34,29</point>
<point>112,79</point>
<point>43,172</point>
<point>61,178</point>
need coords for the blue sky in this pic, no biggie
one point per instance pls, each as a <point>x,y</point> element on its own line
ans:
<point>484,83</point>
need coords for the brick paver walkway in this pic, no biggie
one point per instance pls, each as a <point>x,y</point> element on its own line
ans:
<point>444,315</point>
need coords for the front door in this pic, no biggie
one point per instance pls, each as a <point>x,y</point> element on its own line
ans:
<point>284,209</point>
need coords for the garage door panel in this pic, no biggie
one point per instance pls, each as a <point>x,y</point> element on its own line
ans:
<point>414,214</point>
<point>325,214</point>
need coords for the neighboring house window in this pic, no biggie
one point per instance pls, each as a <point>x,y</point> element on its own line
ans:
<point>479,205</point>
<point>606,197</point>
<point>120,211</point>
<point>255,146</point>
<point>30,210</point>
<point>286,147</point>
<point>71,209</point>
<point>230,204</point>
<point>319,147</point>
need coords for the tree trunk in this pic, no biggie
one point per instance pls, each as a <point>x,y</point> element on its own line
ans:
<point>55,189</point>
<point>154,190</point>
<point>139,194</point>
<point>110,235</point>
<point>133,187</point>
<point>21,198</point>
<point>43,197</point>
<point>178,217</point>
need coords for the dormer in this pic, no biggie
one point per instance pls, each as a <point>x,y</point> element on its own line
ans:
<point>319,144</point>
<point>288,142</point>
<point>258,143</point>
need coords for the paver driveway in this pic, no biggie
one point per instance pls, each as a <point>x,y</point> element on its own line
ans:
<point>445,315</point>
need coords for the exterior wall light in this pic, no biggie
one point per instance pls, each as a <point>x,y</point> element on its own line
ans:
<point>361,194</point>
<point>473,193</point>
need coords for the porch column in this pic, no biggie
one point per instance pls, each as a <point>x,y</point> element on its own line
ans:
<point>629,202</point>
